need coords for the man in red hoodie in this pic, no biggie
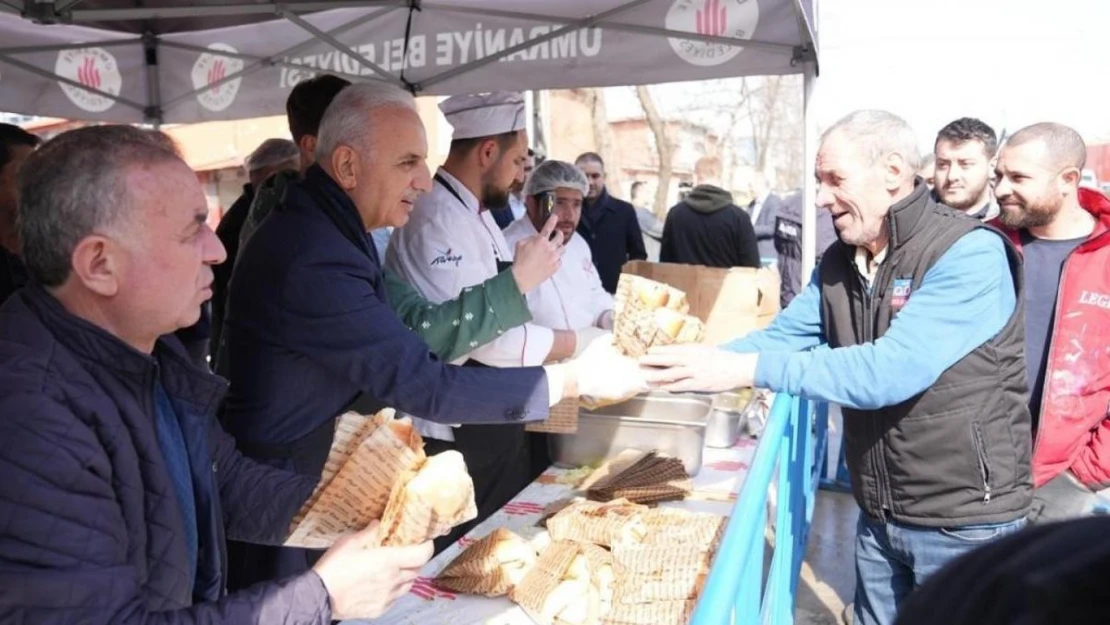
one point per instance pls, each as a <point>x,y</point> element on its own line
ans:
<point>1061,230</point>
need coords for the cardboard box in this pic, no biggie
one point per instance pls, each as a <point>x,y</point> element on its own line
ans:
<point>731,302</point>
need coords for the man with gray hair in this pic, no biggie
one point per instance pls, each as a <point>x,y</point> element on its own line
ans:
<point>310,333</point>
<point>119,486</point>
<point>272,156</point>
<point>913,323</point>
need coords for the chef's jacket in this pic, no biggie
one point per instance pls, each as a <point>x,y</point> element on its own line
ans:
<point>573,298</point>
<point>449,245</point>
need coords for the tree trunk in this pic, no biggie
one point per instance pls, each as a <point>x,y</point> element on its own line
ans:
<point>603,136</point>
<point>662,148</point>
<point>772,87</point>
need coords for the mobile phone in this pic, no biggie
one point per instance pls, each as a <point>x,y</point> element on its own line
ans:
<point>547,205</point>
<point>547,202</point>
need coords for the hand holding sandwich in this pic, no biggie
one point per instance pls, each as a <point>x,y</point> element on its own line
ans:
<point>699,368</point>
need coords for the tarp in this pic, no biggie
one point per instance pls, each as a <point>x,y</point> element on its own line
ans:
<point>171,62</point>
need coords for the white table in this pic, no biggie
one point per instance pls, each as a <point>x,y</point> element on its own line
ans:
<point>715,489</point>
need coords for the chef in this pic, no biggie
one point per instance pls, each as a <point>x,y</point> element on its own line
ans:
<point>573,298</point>
<point>452,243</point>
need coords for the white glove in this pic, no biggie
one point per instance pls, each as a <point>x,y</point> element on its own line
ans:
<point>604,373</point>
<point>605,321</point>
<point>584,337</point>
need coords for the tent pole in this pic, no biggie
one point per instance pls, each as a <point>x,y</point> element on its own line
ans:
<point>58,47</point>
<point>335,43</point>
<point>153,111</point>
<point>254,58</point>
<point>809,190</point>
<point>225,10</point>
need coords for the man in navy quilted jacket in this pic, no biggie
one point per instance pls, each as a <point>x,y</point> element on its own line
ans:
<point>118,486</point>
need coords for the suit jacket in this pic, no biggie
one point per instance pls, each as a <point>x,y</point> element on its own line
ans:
<point>612,229</point>
<point>764,224</point>
<point>309,329</point>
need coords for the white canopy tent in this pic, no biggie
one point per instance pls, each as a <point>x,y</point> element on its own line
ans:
<point>176,61</point>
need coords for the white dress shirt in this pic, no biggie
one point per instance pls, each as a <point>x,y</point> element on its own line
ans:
<point>573,298</point>
<point>450,245</point>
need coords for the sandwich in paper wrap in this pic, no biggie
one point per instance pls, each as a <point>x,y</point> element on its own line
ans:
<point>605,524</point>
<point>655,613</point>
<point>561,589</point>
<point>492,566</point>
<point>648,573</point>
<point>428,501</point>
<point>647,313</point>
<point>372,459</point>
<point>368,455</point>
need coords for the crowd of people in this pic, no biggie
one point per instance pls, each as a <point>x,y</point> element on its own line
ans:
<point>169,394</point>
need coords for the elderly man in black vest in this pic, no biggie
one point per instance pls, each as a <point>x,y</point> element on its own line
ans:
<point>912,322</point>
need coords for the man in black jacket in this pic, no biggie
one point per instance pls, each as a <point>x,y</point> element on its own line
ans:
<point>609,225</point>
<point>272,156</point>
<point>16,145</point>
<point>788,244</point>
<point>707,229</point>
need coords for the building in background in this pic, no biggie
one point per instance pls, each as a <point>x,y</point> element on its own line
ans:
<point>215,150</point>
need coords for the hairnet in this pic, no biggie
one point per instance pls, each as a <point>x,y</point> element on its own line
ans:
<point>551,175</point>
<point>272,152</point>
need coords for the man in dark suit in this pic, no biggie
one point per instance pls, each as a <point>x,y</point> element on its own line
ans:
<point>310,333</point>
<point>764,210</point>
<point>609,225</point>
<point>16,144</point>
<point>272,156</point>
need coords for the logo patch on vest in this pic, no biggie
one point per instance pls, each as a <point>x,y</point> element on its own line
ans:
<point>900,293</point>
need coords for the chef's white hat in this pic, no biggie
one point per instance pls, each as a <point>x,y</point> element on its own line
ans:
<point>484,114</point>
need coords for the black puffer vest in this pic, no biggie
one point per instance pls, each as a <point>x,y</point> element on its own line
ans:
<point>958,453</point>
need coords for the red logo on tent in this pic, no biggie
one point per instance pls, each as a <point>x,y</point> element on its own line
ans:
<point>216,73</point>
<point>713,19</point>
<point>88,74</point>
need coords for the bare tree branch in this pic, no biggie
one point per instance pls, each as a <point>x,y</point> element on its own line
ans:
<point>603,135</point>
<point>663,148</point>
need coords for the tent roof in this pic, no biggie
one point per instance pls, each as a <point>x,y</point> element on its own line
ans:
<point>161,17</point>
<point>199,60</point>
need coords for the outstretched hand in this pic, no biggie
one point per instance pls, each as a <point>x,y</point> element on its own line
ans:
<point>698,368</point>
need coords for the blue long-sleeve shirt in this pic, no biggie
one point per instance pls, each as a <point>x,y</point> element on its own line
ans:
<point>966,299</point>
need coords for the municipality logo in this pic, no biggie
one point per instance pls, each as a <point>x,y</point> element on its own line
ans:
<point>208,72</point>
<point>94,68</point>
<point>736,19</point>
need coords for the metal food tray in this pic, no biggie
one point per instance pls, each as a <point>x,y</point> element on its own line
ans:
<point>673,424</point>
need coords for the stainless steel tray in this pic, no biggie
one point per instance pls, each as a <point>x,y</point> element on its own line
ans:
<point>673,424</point>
